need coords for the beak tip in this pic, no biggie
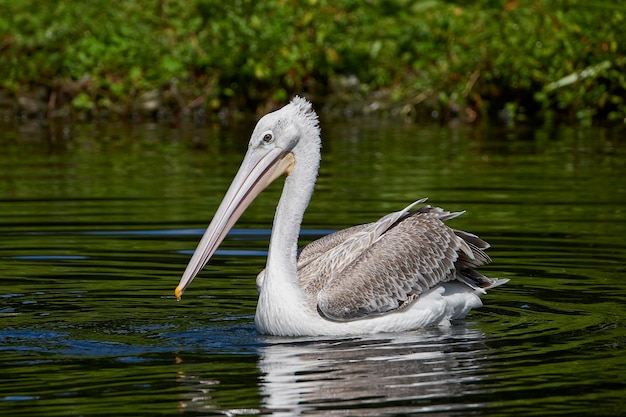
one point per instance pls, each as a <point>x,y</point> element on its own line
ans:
<point>178,292</point>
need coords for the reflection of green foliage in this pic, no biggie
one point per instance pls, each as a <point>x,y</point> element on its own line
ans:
<point>557,58</point>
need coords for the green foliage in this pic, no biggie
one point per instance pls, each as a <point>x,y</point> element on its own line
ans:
<point>501,58</point>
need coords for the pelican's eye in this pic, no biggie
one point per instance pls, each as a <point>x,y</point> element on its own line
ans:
<point>268,137</point>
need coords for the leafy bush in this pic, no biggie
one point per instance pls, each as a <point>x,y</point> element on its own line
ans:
<point>497,58</point>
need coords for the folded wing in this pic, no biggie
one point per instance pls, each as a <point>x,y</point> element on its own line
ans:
<point>384,266</point>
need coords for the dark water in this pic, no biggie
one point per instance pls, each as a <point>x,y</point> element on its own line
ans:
<point>98,221</point>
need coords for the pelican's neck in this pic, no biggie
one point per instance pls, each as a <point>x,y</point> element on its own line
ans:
<point>281,259</point>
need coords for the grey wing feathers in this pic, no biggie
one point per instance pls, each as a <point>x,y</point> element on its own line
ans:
<point>409,257</point>
<point>320,246</point>
<point>357,238</point>
<point>321,260</point>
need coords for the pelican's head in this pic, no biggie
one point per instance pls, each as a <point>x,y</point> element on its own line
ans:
<point>280,140</point>
<point>287,127</point>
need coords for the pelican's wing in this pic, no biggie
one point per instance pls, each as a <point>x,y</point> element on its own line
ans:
<point>383,267</point>
<point>319,247</point>
<point>334,252</point>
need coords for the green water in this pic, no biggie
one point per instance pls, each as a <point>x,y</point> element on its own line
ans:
<point>97,223</point>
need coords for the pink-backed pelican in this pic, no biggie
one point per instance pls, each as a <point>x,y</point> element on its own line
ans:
<point>407,270</point>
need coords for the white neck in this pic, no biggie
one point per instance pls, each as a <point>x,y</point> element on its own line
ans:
<point>280,295</point>
<point>297,191</point>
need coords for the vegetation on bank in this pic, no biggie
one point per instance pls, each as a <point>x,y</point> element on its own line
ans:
<point>500,59</point>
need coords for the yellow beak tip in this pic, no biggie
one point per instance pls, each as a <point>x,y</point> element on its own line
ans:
<point>178,292</point>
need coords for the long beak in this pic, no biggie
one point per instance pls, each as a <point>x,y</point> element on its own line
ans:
<point>259,168</point>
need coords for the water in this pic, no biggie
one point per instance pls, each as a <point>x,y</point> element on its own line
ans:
<point>97,222</point>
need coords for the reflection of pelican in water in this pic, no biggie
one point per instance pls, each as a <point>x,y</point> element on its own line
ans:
<point>436,370</point>
<point>383,374</point>
<point>404,271</point>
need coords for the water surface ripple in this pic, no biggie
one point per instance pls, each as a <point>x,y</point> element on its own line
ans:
<point>97,225</point>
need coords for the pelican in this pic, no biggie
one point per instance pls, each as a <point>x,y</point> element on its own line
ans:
<point>408,270</point>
